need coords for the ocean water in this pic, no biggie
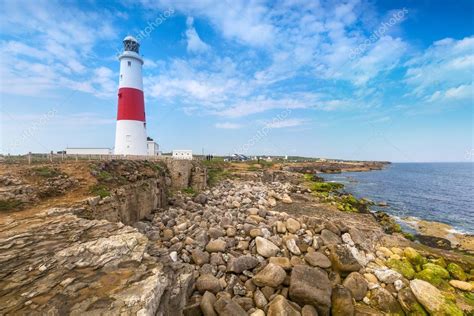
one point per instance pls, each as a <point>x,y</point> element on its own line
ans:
<point>442,192</point>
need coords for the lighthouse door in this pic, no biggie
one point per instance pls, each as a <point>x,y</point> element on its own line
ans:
<point>128,140</point>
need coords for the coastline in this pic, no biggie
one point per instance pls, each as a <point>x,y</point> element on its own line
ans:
<point>428,232</point>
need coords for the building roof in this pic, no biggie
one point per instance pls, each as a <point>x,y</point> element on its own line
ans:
<point>130,38</point>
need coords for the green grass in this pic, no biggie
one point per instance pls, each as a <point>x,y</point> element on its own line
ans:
<point>189,191</point>
<point>9,205</point>
<point>325,186</point>
<point>46,172</point>
<point>100,190</point>
<point>104,176</point>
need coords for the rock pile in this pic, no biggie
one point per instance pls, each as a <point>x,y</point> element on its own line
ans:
<point>248,259</point>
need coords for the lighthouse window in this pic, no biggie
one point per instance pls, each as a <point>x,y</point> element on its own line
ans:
<point>129,63</point>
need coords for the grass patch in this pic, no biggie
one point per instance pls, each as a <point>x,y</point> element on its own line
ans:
<point>104,176</point>
<point>8,205</point>
<point>325,186</point>
<point>100,190</point>
<point>46,172</point>
<point>189,191</point>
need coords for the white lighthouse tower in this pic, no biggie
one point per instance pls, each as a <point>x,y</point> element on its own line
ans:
<point>130,135</point>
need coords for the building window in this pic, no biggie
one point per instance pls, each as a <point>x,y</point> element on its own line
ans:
<point>129,63</point>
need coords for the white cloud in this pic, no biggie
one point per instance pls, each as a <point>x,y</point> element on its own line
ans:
<point>228,125</point>
<point>195,44</point>
<point>444,66</point>
<point>286,123</point>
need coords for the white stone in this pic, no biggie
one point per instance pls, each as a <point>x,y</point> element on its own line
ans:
<point>387,275</point>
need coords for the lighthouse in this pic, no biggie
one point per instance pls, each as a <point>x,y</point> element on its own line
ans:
<point>130,134</point>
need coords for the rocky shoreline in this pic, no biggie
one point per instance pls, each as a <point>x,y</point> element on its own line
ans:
<point>267,242</point>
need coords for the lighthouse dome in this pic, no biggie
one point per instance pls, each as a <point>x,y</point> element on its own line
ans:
<point>130,38</point>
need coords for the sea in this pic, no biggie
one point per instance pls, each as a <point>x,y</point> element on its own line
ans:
<point>441,192</point>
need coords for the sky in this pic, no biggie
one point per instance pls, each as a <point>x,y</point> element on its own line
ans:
<point>359,80</point>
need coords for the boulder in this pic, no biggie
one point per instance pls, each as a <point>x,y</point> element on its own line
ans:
<point>387,275</point>
<point>311,286</point>
<point>357,284</point>
<point>318,259</point>
<point>403,267</point>
<point>462,285</point>
<point>208,282</point>
<point>265,247</point>
<point>409,303</point>
<point>432,299</point>
<point>242,263</point>
<point>292,225</point>
<point>342,259</point>
<point>226,306</point>
<point>456,272</point>
<point>272,275</point>
<point>207,304</point>
<point>279,306</point>
<point>309,310</point>
<point>341,302</point>
<point>414,257</point>
<point>384,301</point>
<point>433,273</point>
<point>329,238</point>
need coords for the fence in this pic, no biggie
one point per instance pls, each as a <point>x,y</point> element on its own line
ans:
<point>52,157</point>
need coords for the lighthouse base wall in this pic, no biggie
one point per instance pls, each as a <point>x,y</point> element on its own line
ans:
<point>130,138</point>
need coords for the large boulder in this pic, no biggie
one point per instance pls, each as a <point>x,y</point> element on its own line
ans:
<point>242,263</point>
<point>272,275</point>
<point>341,301</point>
<point>292,225</point>
<point>311,286</point>
<point>357,284</point>
<point>207,304</point>
<point>432,299</point>
<point>384,301</point>
<point>342,259</point>
<point>318,259</point>
<point>226,306</point>
<point>409,303</point>
<point>403,267</point>
<point>265,247</point>
<point>279,306</point>
<point>433,273</point>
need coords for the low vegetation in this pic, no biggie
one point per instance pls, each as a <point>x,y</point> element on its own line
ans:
<point>100,190</point>
<point>8,205</point>
<point>46,172</point>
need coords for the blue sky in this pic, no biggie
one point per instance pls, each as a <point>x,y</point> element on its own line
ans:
<point>374,80</point>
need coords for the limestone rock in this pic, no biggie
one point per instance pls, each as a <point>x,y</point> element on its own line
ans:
<point>311,286</point>
<point>292,247</point>
<point>239,264</point>
<point>464,286</point>
<point>265,247</point>
<point>341,302</point>
<point>409,303</point>
<point>200,257</point>
<point>342,259</point>
<point>259,299</point>
<point>432,299</point>
<point>208,282</point>
<point>387,275</point>
<point>318,259</point>
<point>283,262</point>
<point>216,245</point>
<point>385,302</point>
<point>280,306</point>
<point>207,304</point>
<point>309,310</point>
<point>272,275</point>
<point>292,225</point>
<point>226,306</point>
<point>329,238</point>
<point>357,284</point>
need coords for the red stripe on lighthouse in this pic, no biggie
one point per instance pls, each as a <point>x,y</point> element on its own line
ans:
<point>131,105</point>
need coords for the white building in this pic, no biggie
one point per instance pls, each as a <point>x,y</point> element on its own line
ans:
<point>152,148</point>
<point>183,154</point>
<point>88,151</point>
